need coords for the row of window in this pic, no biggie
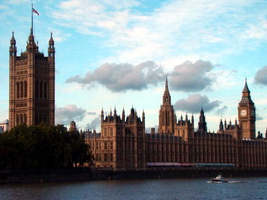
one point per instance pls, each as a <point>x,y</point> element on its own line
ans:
<point>104,157</point>
<point>41,89</point>
<point>108,131</point>
<point>105,145</point>
<point>21,118</point>
<point>41,117</point>
<point>21,89</point>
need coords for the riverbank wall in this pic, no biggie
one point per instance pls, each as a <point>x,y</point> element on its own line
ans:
<point>88,174</point>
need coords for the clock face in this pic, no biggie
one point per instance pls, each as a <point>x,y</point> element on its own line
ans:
<point>243,113</point>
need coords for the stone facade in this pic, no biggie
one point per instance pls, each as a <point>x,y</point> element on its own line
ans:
<point>123,143</point>
<point>31,84</point>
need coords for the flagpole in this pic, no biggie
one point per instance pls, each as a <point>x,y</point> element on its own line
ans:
<point>32,19</point>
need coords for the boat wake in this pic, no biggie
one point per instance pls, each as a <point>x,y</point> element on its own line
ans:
<point>225,182</point>
<point>220,179</point>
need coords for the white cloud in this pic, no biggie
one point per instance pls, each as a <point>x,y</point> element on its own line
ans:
<point>64,115</point>
<point>191,76</point>
<point>256,31</point>
<point>122,77</point>
<point>194,103</point>
<point>261,76</point>
<point>175,28</point>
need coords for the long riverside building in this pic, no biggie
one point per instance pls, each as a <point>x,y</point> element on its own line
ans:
<point>123,143</point>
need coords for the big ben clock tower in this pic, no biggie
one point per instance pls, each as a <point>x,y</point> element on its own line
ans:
<point>246,114</point>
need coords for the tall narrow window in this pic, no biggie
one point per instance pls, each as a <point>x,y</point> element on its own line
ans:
<point>45,118</point>
<point>45,90</point>
<point>36,119</point>
<point>17,120</point>
<point>41,89</point>
<point>25,118</point>
<point>25,89</point>
<point>17,89</point>
<point>36,89</point>
<point>21,89</point>
<point>21,119</point>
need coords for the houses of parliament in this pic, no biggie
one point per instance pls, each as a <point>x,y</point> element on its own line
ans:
<point>123,142</point>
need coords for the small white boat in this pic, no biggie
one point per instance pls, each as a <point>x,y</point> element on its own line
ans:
<point>219,179</point>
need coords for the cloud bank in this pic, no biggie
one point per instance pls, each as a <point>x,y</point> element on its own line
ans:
<point>261,76</point>
<point>194,103</point>
<point>189,77</point>
<point>65,115</point>
<point>94,124</point>
<point>122,77</point>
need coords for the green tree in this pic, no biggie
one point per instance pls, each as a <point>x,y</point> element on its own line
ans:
<point>42,146</point>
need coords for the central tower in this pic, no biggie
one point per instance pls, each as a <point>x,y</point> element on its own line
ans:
<point>31,84</point>
<point>166,113</point>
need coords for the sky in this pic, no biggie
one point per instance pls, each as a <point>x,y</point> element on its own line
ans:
<point>117,55</point>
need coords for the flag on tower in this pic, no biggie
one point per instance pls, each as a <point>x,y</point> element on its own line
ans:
<point>35,11</point>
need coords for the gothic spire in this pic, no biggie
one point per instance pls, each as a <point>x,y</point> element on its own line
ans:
<point>246,98</point>
<point>166,96</point>
<point>246,90</point>
<point>166,92</point>
<point>202,125</point>
<point>51,41</point>
<point>12,40</point>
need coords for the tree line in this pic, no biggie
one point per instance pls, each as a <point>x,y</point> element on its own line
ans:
<point>42,147</point>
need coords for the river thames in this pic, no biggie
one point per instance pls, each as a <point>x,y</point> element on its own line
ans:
<point>161,189</point>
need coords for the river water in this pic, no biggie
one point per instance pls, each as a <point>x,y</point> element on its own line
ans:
<point>162,189</point>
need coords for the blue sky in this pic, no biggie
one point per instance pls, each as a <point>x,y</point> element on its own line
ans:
<point>111,54</point>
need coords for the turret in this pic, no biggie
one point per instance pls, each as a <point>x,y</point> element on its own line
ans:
<point>202,125</point>
<point>115,112</point>
<point>13,48</point>
<point>51,47</point>
<point>192,119</point>
<point>143,116</point>
<point>102,115</point>
<point>166,99</point>
<point>123,115</point>
<point>167,117</point>
<point>31,46</point>
<point>221,126</point>
<point>72,126</point>
<point>186,119</point>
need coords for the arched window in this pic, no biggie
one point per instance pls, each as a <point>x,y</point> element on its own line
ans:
<point>21,119</point>
<point>41,89</point>
<point>25,118</point>
<point>105,132</point>
<point>45,118</point>
<point>111,131</point>
<point>25,89</point>
<point>36,119</point>
<point>36,89</point>
<point>21,89</point>
<point>17,89</point>
<point>45,90</point>
<point>17,119</point>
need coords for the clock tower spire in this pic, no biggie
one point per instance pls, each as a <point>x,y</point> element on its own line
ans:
<point>246,114</point>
